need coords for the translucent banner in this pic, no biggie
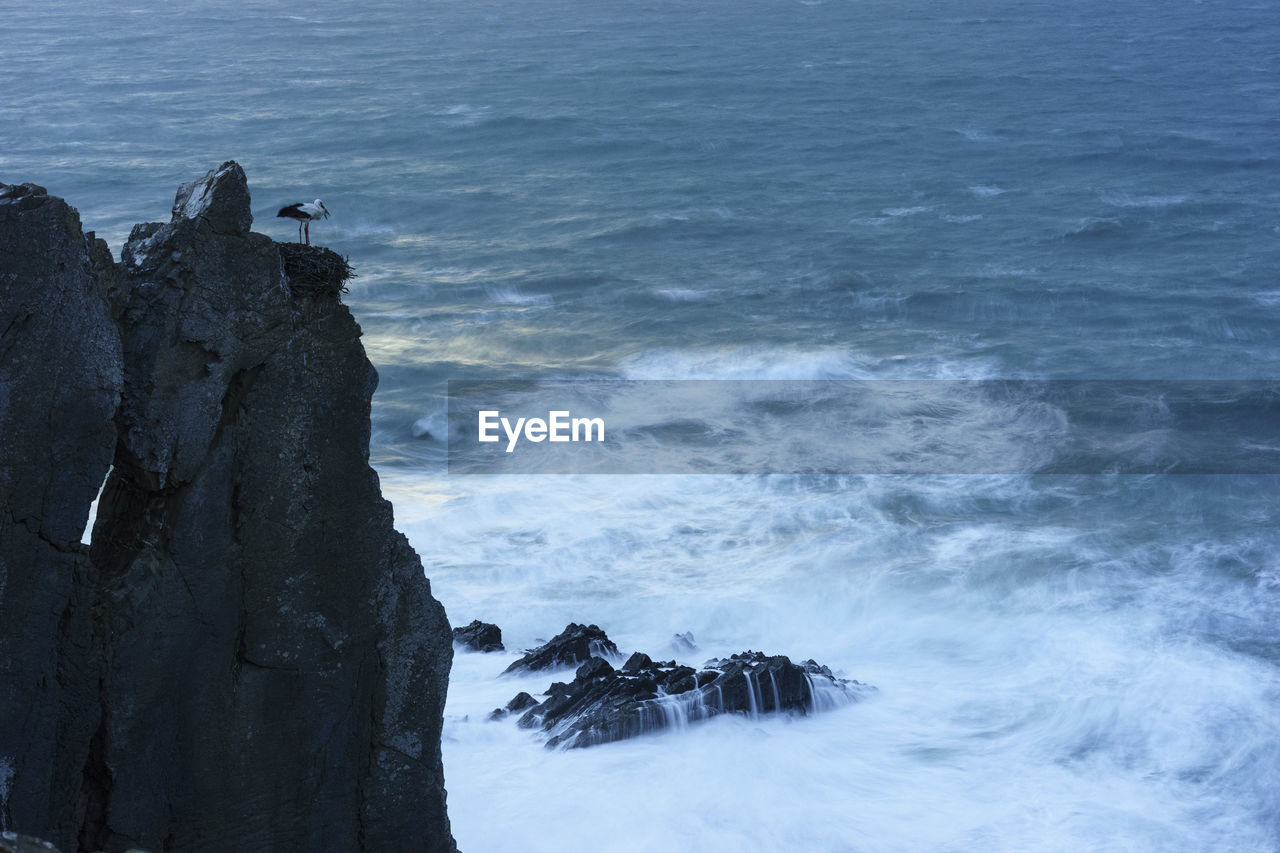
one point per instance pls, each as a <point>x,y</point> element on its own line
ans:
<point>864,427</point>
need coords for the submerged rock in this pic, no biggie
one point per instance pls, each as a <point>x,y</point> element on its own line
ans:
<point>521,702</point>
<point>572,646</point>
<point>479,636</point>
<point>683,644</point>
<point>602,704</point>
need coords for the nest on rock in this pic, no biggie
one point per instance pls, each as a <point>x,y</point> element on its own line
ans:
<point>314,270</point>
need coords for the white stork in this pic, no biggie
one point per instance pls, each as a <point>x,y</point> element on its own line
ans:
<point>304,213</point>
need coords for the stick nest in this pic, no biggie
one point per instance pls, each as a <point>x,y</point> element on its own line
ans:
<point>314,270</point>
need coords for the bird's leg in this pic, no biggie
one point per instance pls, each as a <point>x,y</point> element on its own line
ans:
<point>299,232</point>
<point>307,225</point>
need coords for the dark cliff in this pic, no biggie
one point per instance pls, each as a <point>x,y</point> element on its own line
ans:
<point>60,380</point>
<point>267,665</point>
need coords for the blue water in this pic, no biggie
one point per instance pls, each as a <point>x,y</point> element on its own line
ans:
<point>781,190</point>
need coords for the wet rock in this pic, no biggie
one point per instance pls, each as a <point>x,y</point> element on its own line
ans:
<point>479,636</point>
<point>594,668</point>
<point>680,680</point>
<point>522,701</point>
<point>602,704</point>
<point>574,645</point>
<point>683,644</point>
<point>679,672</point>
<point>637,662</point>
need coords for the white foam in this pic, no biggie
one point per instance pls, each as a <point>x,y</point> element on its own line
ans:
<point>976,135</point>
<point>744,363</point>
<point>1149,201</point>
<point>511,296</point>
<point>466,114</point>
<point>906,211</point>
<point>1033,685</point>
<point>433,425</point>
<point>782,363</point>
<point>681,294</point>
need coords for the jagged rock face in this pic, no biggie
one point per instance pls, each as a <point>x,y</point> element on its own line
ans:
<point>602,705</point>
<point>199,308</point>
<point>220,200</point>
<point>276,666</point>
<point>60,353</point>
<point>479,636</point>
<point>572,646</point>
<point>60,379</point>
<point>249,656</point>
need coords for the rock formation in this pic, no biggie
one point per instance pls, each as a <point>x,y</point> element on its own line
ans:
<point>603,704</point>
<point>479,637</point>
<point>572,646</point>
<point>683,644</point>
<point>268,667</point>
<point>521,702</point>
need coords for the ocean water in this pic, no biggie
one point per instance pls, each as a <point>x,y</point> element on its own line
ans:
<point>772,189</point>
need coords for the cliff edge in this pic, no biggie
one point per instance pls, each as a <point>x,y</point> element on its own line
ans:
<point>254,658</point>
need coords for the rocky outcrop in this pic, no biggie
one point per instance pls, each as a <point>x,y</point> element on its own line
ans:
<point>572,646</point>
<point>522,701</point>
<point>683,644</point>
<point>270,667</point>
<point>479,637</point>
<point>60,380</point>
<point>603,704</point>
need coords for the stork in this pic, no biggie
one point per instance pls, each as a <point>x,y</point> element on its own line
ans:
<point>304,213</point>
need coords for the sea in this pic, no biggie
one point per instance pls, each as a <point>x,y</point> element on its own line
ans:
<point>750,190</point>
